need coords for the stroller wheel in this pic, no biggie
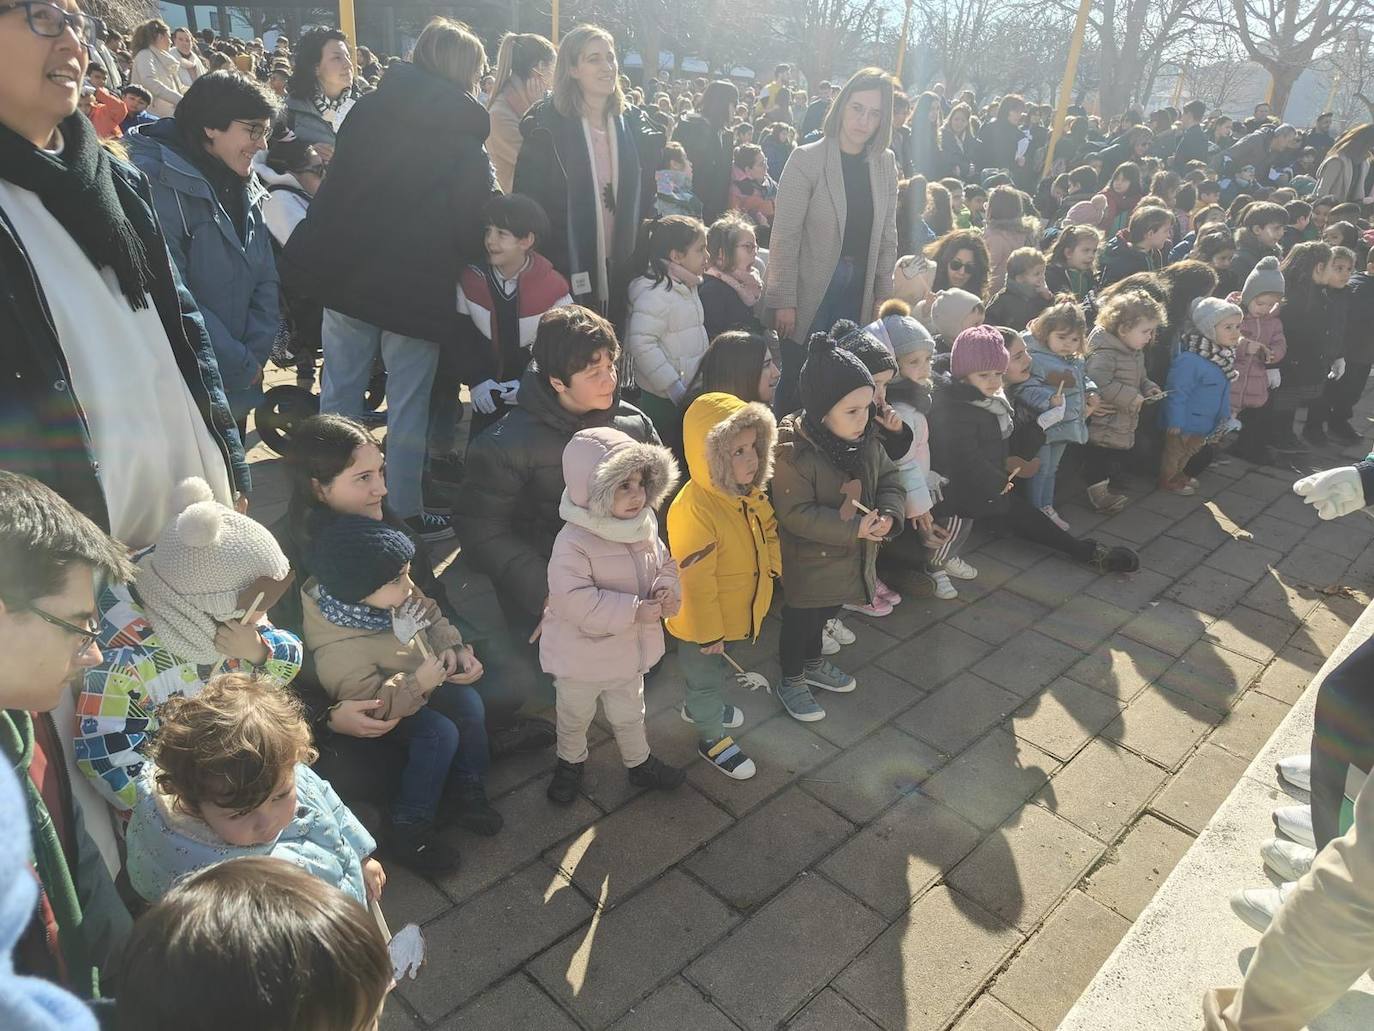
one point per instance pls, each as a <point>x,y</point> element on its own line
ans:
<point>281,410</point>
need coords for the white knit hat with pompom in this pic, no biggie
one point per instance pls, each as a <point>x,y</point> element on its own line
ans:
<point>207,554</point>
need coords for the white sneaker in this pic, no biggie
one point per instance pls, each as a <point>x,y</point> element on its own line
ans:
<point>1288,859</point>
<point>960,569</point>
<point>829,646</point>
<point>943,588</point>
<point>1055,518</point>
<point>1295,822</point>
<point>731,719</point>
<point>839,631</point>
<point>1296,770</point>
<point>1258,906</point>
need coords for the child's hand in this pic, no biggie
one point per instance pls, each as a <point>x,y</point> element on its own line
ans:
<point>888,418</point>
<point>932,533</point>
<point>430,673</point>
<point>884,527</point>
<point>237,640</point>
<point>467,669</point>
<point>1092,404</point>
<point>713,649</point>
<point>648,612</point>
<point>375,879</point>
<point>668,601</point>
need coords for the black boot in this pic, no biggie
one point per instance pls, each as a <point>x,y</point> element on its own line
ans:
<point>1115,559</point>
<point>655,773</point>
<point>418,847</point>
<point>466,806</point>
<point>567,778</point>
<point>525,734</point>
<point>1342,431</point>
<point>1314,434</point>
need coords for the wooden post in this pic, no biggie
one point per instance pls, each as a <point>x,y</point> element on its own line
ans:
<point>1182,75</point>
<point>348,23</point>
<point>901,43</point>
<point>553,36</point>
<point>1061,109</point>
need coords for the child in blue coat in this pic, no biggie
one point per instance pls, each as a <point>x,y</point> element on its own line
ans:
<point>1198,405</point>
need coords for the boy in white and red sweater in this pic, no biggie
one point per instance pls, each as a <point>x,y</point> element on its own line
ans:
<point>504,299</point>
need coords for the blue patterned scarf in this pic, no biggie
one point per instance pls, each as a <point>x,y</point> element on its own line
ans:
<point>356,616</point>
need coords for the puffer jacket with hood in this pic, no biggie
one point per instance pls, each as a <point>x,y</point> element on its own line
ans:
<point>726,593</point>
<point>1119,373</point>
<point>1120,259</point>
<point>604,568</point>
<point>1048,370</point>
<point>353,663</point>
<point>666,336</point>
<point>1250,388</point>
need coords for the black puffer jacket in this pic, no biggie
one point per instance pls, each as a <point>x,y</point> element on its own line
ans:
<point>711,155</point>
<point>1314,328</point>
<point>400,212</point>
<point>967,447</point>
<point>507,514</point>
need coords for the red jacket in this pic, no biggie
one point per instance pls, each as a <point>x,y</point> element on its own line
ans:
<point>107,111</point>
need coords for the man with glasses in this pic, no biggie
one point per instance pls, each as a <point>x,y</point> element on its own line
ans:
<point>50,555</point>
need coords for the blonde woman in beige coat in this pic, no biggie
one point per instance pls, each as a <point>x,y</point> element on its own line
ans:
<point>834,242</point>
<point>524,70</point>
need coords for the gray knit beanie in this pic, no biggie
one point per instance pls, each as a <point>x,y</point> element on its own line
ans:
<point>1206,312</point>
<point>903,334</point>
<point>207,555</point>
<point>950,308</point>
<point>1264,278</point>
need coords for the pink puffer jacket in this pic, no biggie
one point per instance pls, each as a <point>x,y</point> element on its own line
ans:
<point>604,568</point>
<point>1250,388</point>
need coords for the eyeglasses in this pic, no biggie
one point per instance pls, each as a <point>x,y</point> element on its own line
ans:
<point>257,132</point>
<point>955,265</point>
<point>87,635</point>
<point>49,20</point>
<point>315,170</point>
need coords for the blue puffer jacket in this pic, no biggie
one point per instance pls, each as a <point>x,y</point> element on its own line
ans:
<point>1199,401</point>
<point>233,280</point>
<point>1036,393</point>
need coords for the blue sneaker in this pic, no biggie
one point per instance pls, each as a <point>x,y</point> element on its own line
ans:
<point>828,677</point>
<point>798,701</point>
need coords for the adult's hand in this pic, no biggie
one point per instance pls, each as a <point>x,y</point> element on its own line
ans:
<point>785,322</point>
<point>353,718</point>
<point>1333,493</point>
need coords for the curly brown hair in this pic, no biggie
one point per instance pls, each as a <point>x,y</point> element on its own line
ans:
<point>951,244</point>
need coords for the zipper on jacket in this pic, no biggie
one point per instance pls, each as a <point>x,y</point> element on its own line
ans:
<point>758,577</point>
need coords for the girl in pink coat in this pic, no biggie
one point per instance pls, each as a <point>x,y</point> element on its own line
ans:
<point>611,581</point>
<point>1262,347</point>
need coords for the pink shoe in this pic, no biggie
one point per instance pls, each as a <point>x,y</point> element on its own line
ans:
<point>888,594</point>
<point>880,606</point>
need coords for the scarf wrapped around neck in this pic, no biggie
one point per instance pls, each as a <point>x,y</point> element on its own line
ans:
<point>845,455</point>
<point>1224,358</point>
<point>750,288</point>
<point>678,274</point>
<point>329,109</point>
<point>355,616</point>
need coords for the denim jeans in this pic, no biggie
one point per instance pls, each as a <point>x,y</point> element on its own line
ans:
<point>1041,485</point>
<point>431,742</point>
<point>465,710</point>
<point>843,298</point>
<point>350,346</point>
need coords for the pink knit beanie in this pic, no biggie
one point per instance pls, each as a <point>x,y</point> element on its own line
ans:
<point>978,349</point>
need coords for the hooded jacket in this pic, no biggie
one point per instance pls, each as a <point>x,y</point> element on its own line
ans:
<point>1121,259</point>
<point>353,663</point>
<point>1249,251</point>
<point>1250,388</point>
<point>509,525</point>
<point>826,562</point>
<point>604,568</point>
<point>1015,305</point>
<point>1037,392</point>
<point>400,212</point>
<point>1199,401</point>
<point>1119,373</point>
<point>726,593</point>
<point>967,447</point>
<point>666,335</point>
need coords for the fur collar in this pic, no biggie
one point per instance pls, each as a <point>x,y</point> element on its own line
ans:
<point>757,417</point>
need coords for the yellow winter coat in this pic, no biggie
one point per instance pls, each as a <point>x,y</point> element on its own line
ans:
<point>727,593</point>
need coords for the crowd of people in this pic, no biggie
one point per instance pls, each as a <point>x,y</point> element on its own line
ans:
<point>715,342</point>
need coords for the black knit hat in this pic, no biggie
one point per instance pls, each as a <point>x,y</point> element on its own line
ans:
<point>864,346</point>
<point>829,374</point>
<point>351,556</point>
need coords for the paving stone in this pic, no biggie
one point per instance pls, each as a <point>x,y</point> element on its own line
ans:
<point>1283,596</point>
<point>1322,631</point>
<point>516,919</point>
<point>987,1014</point>
<point>770,846</point>
<point>1237,506</point>
<point>1121,668</point>
<point>1250,632</point>
<point>916,612</point>
<point>410,899</point>
<point>1131,591</point>
<point>782,749</point>
<point>1287,677</point>
<point>873,640</point>
<point>1015,551</point>
<point>636,843</point>
<point>927,966</point>
<point>997,617</point>
<point>515,1002</point>
<point>830,1012</point>
<point>954,716</point>
<point>899,855</point>
<point>1162,726</point>
<point>1249,725</point>
<point>769,966</point>
<point>1208,590</point>
<point>932,657</point>
<point>1027,662</point>
<point>1022,869</point>
<point>1279,534</point>
<point>1051,971</point>
<point>1128,876</point>
<point>1064,717</point>
<point>1102,789</point>
<point>991,780</point>
<point>1294,509</point>
<point>1137,524</point>
<point>1081,517</point>
<point>602,971</point>
<point>880,697</point>
<point>1174,506</point>
<point>1342,536</point>
<point>533,823</point>
<point>1193,795</point>
<point>675,1006</point>
<point>1053,581</point>
<point>516,770</point>
<point>1257,485</point>
<point>672,740</point>
<point>1083,622</point>
<point>873,774</point>
<point>1314,566</point>
<point>1211,675</point>
<point>1171,556</point>
<point>1168,626</point>
<point>1244,559</point>
<point>395,1017</point>
<point>1203,528</point>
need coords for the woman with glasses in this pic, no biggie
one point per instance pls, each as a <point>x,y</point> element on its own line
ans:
<point>156,68</point>
<point>321,90</point>
<point>110,394</point>
<point>524,70</point>
<point>199,164</point>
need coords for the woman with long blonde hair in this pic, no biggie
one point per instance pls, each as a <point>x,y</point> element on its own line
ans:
<point>524,71</point>
<point>156,68</point>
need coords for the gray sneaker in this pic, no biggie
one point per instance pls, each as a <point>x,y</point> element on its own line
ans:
<point>798,701</point>
<point>829,677</point>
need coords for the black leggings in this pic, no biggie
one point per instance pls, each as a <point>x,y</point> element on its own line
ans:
<point>1023,519</point>
<point>1101,463</point>
<point>799,644</point>
<point>1342,736</point>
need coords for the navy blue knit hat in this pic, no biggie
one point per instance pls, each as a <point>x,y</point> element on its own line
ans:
<point>829,373</point>
<point>351,556</point>
<point>866,347</point>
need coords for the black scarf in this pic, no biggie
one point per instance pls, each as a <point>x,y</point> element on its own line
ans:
<point>845,455</point>
<point>78,189</point>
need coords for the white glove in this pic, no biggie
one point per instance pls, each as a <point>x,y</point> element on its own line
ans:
<point>1275,380</point>
<point>1333,493</point>
<point>935,484</point>
<point>482,398</point>
<point>1337,369</point>
<point>1233,426</point>
<point>510,390</point>
<point>1053,417</point>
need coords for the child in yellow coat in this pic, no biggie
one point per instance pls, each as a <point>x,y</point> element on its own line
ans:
<point>724,537</point>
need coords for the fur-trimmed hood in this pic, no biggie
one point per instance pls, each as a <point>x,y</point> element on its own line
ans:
<point>711,422</point>
<point>595,461</point>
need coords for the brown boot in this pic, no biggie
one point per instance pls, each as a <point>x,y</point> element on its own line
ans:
<point>1103,500</point>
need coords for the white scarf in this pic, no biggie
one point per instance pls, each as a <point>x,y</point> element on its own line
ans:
<point>642,527</point>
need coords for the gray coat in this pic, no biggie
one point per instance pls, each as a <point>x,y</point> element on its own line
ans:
<point>808,229</point>
<point>1119,373</point>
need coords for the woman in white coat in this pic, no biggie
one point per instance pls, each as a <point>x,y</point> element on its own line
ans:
<point>188,58</point>
<point>156,68</point>
<point>1344,171</point>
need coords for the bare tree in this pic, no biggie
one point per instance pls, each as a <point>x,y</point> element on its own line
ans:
<point>826,34</point>
<point>957,31</point>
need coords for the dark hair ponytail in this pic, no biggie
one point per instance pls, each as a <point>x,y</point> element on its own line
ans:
<point>661,237</point>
